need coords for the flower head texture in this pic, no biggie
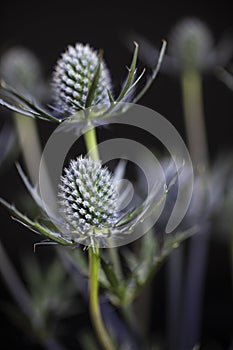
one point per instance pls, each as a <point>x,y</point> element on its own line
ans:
<point>80,82</point>
<point>88,196</point>
<point>73,77</point>
<point>89,207</point>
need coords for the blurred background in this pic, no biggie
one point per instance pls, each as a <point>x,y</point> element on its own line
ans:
<point>47,28</point>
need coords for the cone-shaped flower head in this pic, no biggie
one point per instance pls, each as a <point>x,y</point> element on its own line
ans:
<point>88,196</point>
<point>73,77</point>
<point>191,43</point>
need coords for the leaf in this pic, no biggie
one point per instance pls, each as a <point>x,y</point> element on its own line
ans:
<point>15,108</point>
<point>94,84</point>
<point>32,190</point>
<point>154,74</point>
<point>8,145</point>
<point>130,78</point>
<point>110,274</point>
<point>35,226</point>
<point>21,104</point>
<point>111,99</point>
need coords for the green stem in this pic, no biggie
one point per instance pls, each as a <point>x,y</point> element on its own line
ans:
<point>91,143</point>
<point>194,117</point>
<point>198,250</point>
<point>114,256</point>
<point>94,302</point>
<point>94,261</point>
<point>29,144</point>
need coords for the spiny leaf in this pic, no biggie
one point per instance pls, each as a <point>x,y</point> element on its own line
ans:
<point>131,75</point>
<point>35,226</point>
<point>154,74</point>
<point>94,84</point>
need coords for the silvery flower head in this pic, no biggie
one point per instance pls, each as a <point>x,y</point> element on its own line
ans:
<point>80,81</point>
<point>191,43</point>
<point>88,197</point>
<point>91,209</point>
<point>73,77</point>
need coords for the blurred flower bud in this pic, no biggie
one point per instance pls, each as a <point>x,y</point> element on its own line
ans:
<point>190,44</point>
<point>20,69</point>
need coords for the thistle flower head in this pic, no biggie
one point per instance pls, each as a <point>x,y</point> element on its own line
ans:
<point>88,196</point>
<point>73,77</point>
<point>191,43</point>
<point>21,69</point>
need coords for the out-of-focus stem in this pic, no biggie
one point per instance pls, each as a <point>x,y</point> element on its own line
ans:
<point>231,254</point>
<point>113,253</point>
<point>22,298</point>
<point>174,296</point>
<point>198,249</point>
<point>30,144</point>
<point>14,284</point>
<point>194,117</point>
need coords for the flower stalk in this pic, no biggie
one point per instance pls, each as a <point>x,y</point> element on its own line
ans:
<point>101,332</point>
<point>194,117</point>
<point>197,141</point>
<point>94,262</point>
<point>91,142</point>
<point>29,144</point>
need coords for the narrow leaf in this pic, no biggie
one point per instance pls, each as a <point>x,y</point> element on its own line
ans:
<point>131,74</point>
<point>154,74</point>
<point>34,225</point>
<point>94,84</point>
<point>110,274</point>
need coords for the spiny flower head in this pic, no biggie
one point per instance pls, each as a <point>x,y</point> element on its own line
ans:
<point>73,77</point>
<point>191,43</point>
<point>88,196</point>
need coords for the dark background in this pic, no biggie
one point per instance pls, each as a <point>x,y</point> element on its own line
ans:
<point>47,28</point>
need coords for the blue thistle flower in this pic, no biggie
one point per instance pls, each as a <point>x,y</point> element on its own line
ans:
<point>73,77</point>
<point>20,67</point>
<point>89,207</point>
<point>88,196</point>
<point>191,43</point>
<point>81,80</point>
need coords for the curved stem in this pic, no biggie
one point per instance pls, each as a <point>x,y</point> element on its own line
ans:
<point>94,303</point>
<point>91,144</point>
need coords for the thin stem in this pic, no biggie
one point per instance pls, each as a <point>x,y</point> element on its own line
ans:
<point>194,117</point>
<point>94,302</point>
<point>29,143</point>
<point>231,254</point>
<point>94,261</point>
<point>91,143</point>
<point>114,256</point>
<point>174,296</point>
<point>198,249</point>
